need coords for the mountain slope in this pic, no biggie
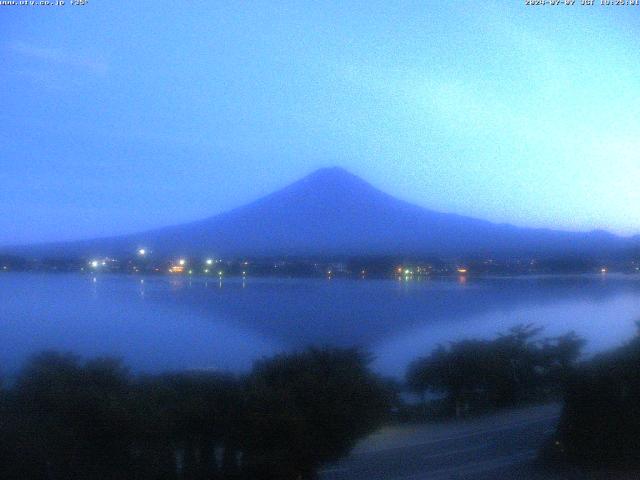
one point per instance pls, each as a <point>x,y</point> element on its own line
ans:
<point>334,212</point>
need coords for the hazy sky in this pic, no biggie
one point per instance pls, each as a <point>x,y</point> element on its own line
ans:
<point>120,116</point>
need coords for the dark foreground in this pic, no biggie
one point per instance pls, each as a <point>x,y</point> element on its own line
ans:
<point>503,446</point>
<point>495,446</point>
<point>296,415</point>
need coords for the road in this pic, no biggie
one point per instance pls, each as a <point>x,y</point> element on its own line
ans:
<point>494,446</point>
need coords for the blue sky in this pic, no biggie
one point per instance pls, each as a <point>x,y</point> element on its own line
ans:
<point>117,117</point>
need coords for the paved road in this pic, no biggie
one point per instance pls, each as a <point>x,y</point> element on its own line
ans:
<point>493,447</point>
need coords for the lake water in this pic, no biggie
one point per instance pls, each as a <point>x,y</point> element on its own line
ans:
<point>167,323</point>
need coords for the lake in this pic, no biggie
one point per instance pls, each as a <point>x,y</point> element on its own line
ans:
<point>158,323</point>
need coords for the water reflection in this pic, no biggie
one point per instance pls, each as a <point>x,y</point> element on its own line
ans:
<point>159,323</point>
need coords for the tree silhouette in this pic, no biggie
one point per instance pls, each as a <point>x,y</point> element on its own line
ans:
<point>309,408</point>
<point>68,419</point>
<point>480,374</point>
<point>600,422</point>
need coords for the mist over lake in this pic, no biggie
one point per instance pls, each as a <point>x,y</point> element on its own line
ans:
<point>158,323</point>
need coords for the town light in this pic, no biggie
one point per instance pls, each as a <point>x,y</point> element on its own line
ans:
<point>176,269</point>
<point>182,261</point>
<point>142,252</point>
<point>208,261</point>
<point>94,264</point>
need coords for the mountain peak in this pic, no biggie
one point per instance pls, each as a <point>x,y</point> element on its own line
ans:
<point>331,174</point>
<point>333,179</point>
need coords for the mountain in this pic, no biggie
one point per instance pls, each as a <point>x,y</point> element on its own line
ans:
<point>333,212</point>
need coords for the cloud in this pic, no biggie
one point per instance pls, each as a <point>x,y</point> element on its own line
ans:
<point>59,56</point>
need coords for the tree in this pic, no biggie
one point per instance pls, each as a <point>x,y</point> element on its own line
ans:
<point>184,418</point>
<point>307,409</point>
<point>68,420</point>
<point>479,374</point>
<point>600,422</point>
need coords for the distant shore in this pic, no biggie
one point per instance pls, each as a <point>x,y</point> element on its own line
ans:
<point>378,267</point>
